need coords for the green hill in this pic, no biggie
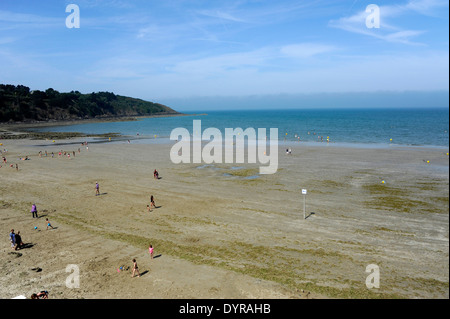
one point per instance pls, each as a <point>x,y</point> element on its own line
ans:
<point>19,104</point>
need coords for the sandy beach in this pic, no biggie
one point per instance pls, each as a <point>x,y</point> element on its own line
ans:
<point>216,232</point>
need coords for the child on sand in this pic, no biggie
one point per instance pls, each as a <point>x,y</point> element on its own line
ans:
<point>150,250</point>
<point>12,239</point>
<point>48,224</point>
<point>135,269</point>
<point>97,189</point>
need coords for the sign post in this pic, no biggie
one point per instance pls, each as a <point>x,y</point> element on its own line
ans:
<point>304,192</point>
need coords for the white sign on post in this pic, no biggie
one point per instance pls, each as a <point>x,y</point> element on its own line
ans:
<point>304,192</point>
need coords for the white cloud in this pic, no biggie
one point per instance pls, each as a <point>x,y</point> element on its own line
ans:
<point>245,73</point>
<point>120,4</point>
<point>17,19</point>
<point>305,50</point>
<point>214,65</point>
<point>427,7</point>
<point>220,15</point>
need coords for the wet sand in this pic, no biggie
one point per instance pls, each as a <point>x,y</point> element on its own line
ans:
<point>219,231</point>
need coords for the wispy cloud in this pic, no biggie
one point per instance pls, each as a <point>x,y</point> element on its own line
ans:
<point>227,47</point>
<point>203,65</point>
<point>13,19</point>
<point>306,50</point>
<point>427,7</point>
<point>218,14</point>
<point>221,64</point>
<point>119,4</point>
<point>244,74</point>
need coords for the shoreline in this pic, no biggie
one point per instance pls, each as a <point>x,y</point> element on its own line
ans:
<point>52,123</point>
<point>27,132</point>
<point>21,130</point>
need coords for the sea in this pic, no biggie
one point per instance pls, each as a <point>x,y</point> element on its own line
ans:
<point>341,127</point>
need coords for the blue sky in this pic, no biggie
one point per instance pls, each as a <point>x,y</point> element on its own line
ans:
<point>181,52</point>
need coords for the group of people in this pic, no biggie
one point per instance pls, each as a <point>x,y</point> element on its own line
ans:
<point>152,205</point>
<point>16,240</point>
<point>5,161</point>
<point>17,243</point>
<point>152,199</point>
<point>61,154</point>
<point>135,269</point>
<point>41,295</point>
<point>12,166</point>
<point>34,213</point>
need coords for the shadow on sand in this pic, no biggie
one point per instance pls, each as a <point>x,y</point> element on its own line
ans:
<point>309,215</point>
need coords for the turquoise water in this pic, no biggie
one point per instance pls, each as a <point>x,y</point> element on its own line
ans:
<point>416,127</point>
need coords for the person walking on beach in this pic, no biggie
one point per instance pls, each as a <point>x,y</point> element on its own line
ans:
<point>135,269</point>
<point>152,202</point>
<point>12,238</point>
<point>97,189</point>
<point>34,210</point>
<point>18,240</point>
<point>150,250</point>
